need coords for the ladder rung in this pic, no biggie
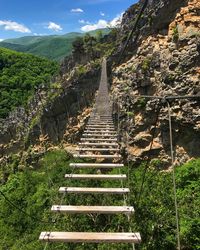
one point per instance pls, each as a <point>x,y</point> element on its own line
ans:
<point>102,131</point>
<point>99,135</point>
<point>96,176</point>
<point>96,165</point>
<point>97,139</point>
<point>93,209</point>
<point>101,124</point>
<point>88,190</point>
<point>99,144</point>
<point>100,128</point>
<point>98,149</point>
<point>100,121</point>
<point>89,237</point>
<point>97,156</point>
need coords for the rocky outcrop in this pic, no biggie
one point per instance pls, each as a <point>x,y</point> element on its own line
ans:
<point>162,64</point>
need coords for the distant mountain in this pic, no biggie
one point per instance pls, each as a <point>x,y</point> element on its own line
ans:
<point>54,47</point>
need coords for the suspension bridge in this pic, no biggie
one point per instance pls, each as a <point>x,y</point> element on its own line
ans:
<point>100,143</point>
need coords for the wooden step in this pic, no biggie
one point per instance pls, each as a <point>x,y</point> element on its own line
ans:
<point>100,124</point>
<point>97,156</point>
<point>99,135</point>
<point>99,149</point>
<point>103,131</point>
<point>96,176</point>
<point>97,125</point>
<point>93,209</point>
<point>90,237</point>
<point>97,139</point>
<point>100,130</point>
<point>98,144</point>
<point>96,165</point>
<point>89,190</point>
<point>100,121</point>
<point>100,127</point>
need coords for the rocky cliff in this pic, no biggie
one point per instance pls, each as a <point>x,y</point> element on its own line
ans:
<point>164,61</point>
<point>162,58</point>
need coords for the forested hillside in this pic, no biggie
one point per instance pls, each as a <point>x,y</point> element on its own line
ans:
<point>32,192</point>
<point>54,47</point>
<point>20,74</point>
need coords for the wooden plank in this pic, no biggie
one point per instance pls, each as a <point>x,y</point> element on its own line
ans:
<point>103,131</point>
<point>97,156</point>
<point>96,176</point>
<point>98,149</point>
<point>90,237</point>
<point>93,209</point>
<point>100,120</point>
<point>97,139</point>
<point>94,190</point>
<point>100,127</point>
<point>101,124</point>
<point>98,144</point>
<point>96,165</point>
<point>99,135</point>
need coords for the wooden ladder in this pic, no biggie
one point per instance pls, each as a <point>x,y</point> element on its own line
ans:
<point>100,138</point>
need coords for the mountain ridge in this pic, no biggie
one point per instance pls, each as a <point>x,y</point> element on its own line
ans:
<point>53,47</point>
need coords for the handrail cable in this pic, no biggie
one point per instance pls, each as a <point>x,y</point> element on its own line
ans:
<point>148,160</point>
<point>173,176</point>
<point>133,29</point>
<point>22,211</point>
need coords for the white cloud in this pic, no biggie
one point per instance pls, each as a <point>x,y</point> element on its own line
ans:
<point>83,21</point>
<point>54,26</point>
<point>78,10</point>
<point>102,14</point>
<point>14,26</point>
<point>101,24</point>
<point>117,20</point>
<point>1,40</point>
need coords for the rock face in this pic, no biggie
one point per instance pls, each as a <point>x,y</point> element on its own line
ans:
<point>162,59</point>
<point>50,114</point>
<point>165,61</point>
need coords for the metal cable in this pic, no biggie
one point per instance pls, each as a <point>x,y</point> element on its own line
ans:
<point>148,160</point>
<point>173,177</point>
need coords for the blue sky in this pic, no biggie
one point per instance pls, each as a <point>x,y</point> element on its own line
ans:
<point>46,17</point>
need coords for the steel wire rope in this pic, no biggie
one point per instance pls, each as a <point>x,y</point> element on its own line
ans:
<point>148,159</point>
<point>128,175</point>
<point>133,29</point>
<point>21,210</point>
<point>173,177</point>
<point>125,196</point>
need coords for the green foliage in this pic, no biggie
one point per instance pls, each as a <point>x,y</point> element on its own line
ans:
<point>146,64</point>
<point>35,191</point>
<point>52,47</point>
<point>81,70</point>
<point>141,103</point>
<point>95,46</point>
<point>19,74</point>
<point>175,33</point>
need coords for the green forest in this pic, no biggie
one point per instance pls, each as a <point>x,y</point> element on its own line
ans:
<point>30,191</point>
<point>53,47</point>
<point>20,74</point>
